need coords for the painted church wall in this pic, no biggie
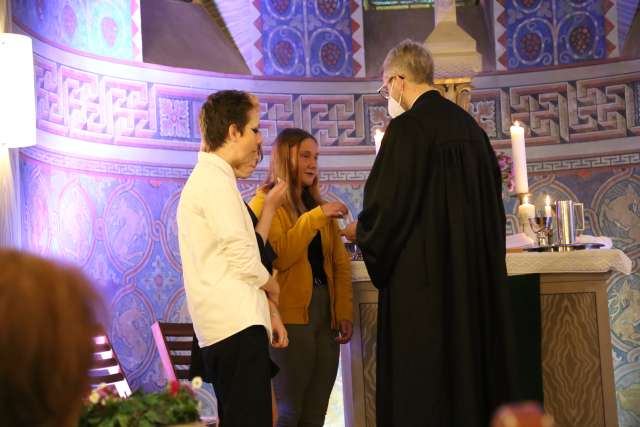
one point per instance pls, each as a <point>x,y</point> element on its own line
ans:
<point>117,140</point>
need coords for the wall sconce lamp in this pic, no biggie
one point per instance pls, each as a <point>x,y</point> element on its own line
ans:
<point>17,127</point>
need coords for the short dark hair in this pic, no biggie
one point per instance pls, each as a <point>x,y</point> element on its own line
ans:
<point>221,110</point>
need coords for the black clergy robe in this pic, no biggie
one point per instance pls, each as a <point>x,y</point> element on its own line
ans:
<point>432,234</point>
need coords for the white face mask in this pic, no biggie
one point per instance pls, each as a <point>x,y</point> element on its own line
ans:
<point>393,106</point>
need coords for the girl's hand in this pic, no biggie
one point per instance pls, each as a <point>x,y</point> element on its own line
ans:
<point>335,209</point>
<point>275,197</point>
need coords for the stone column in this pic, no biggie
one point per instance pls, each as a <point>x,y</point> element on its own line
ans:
<point>454,54</point>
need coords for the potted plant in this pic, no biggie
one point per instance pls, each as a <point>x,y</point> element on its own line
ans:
<point>174,406</point>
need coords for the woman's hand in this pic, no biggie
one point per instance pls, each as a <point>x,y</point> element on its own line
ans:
<point>280,336</point>
<point>275,197</point>
<point>345,332</point>
<point>335,209</point>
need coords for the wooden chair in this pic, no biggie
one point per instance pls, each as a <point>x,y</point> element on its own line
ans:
<point>173,341</point>
<point>106,368</point>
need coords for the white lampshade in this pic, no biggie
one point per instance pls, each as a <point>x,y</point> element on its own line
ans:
<point>17,95</point>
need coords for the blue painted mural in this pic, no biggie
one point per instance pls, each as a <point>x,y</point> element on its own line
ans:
<point>534,33</point>
<point>307,38</point>
<point>109,28</point>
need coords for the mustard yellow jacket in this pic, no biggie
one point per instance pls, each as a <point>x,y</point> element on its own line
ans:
<point>291,241</point>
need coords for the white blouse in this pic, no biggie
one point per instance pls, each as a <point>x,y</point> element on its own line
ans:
<point>220,256</point>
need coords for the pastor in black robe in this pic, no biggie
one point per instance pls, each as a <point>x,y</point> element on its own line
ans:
<point>432,234</point>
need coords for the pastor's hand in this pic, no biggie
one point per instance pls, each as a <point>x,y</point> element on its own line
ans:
<point>350,231</point>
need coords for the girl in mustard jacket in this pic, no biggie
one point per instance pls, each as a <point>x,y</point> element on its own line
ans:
<point>314,273</point>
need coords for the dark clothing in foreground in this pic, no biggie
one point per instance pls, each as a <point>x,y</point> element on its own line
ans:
<point>239,368</point>
<point>432,234</point>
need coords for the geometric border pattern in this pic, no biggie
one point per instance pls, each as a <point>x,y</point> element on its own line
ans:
<point>99,108</point>
<point>327,174</point>
<point>563,112</point>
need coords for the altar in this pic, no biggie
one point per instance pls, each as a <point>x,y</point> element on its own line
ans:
<point>577,368</point>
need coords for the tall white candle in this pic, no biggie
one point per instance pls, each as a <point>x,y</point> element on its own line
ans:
<point>519,156</point>
<point>547,206</point>
<point>377,138</point>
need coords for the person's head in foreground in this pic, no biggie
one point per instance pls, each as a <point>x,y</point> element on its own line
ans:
<point>526,414</point>
<point>230,127</point>
<point>49,315</point>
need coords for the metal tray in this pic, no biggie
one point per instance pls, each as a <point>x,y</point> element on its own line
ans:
<point>565,248</point>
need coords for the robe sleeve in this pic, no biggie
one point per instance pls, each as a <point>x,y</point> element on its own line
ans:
<point>392,197</point>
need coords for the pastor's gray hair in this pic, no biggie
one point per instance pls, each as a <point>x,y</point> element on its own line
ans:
<point>411,60</point>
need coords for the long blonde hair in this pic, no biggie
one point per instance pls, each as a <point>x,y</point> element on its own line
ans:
<point>284,166</point>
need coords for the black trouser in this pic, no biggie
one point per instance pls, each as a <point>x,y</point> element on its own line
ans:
<point>308,366</point>
<point>239,368</point>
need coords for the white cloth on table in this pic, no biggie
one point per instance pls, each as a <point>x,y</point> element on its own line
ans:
<point>584,261</point>
<point>520,240</point>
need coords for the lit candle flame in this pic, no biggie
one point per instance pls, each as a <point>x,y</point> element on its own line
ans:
<point>377,138</point>
<point>526,200</point>
<point>548,200</point>
<point>378,135</point>
<point>516,123</point>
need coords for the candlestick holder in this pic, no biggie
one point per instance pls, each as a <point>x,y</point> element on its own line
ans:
<point>520,197</point>
<point>542,226</point>
<point>521,200</point>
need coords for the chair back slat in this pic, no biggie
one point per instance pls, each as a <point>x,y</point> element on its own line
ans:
<point>181,360</point>
<point>182,373</point>
<point>110,362</point>
<point>177,329</point>
<point>101,347</point>
<point>173,346</point>
<point>106,378</point>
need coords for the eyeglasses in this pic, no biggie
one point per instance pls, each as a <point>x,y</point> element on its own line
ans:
<point>384,89</point>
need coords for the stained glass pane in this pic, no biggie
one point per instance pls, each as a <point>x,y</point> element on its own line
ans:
<point>406,4</point>
<point>397,4</point>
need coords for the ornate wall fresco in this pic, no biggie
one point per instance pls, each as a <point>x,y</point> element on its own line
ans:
<point>117,141</point>
<point>109,28</point>
<point>534,33</point>
<point>298,38</point>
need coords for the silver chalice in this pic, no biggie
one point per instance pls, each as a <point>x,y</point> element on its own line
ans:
<point>542,226</point>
